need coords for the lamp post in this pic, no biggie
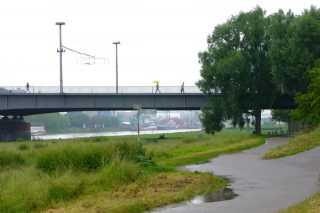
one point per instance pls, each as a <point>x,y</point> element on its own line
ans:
<point>60,51</point>
<point>138,108</point>
<point>116,43</point>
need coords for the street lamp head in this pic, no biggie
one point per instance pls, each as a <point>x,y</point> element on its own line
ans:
<point>60,23</point>
<point>116,42</point>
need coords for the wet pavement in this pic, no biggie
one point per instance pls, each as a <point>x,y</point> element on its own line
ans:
<point>262,186</point>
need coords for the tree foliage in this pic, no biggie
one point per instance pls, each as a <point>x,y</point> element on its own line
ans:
<point>294,48</point>
<point>252,58</point>
<point>308,110</point>
<point>281,115</point>
<point>236,70</point>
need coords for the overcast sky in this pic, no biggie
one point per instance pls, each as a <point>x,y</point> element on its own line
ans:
<point>160,39</point>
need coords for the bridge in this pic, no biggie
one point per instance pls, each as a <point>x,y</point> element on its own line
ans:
<point>17,101</point>
<point>21,101</point>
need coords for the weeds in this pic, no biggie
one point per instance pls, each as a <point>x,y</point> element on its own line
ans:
<point>8,158</point>
<point>85,157</point>
<point>23,146</point>
<point>113,176</point>
<point>120,173</point>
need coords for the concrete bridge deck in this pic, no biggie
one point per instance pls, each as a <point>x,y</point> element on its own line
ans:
<point>20,101</point>
<point>27,104</point>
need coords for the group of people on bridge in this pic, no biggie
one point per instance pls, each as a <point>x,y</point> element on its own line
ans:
<point>158,87</point>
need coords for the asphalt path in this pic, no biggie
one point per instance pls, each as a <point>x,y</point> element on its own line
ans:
<point>263,186</point>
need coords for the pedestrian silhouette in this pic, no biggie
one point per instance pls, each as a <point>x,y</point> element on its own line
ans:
<point>28,87</point>
<point>157,87</point>
<point>182,88</point>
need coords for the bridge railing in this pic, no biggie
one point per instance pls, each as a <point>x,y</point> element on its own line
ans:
<point>97,89</point>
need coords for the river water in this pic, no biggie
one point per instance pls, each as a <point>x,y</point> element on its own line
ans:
<point>95,134</point>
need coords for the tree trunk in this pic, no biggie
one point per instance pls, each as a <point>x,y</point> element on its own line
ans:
<point>257,115</point>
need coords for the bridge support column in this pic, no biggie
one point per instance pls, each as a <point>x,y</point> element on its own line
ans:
<point>14,129</point>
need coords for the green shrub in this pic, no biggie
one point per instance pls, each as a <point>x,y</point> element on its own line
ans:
<point>23,146</point>
<point>65,188</point>
<point>144,160</point>
<point>40,145</point>
<point>22,190</point>
<point>120,172</point>
<point>10,159</point>
<point>86,157</point>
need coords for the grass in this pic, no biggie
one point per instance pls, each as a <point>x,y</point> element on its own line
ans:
<point>147,193</point>
<point>299,143</point>
<point>10,159</point>
<point>311,205</point>
<point>110,174</point>
<point>190,150</point>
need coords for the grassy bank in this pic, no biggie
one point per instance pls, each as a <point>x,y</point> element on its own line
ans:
<point>199,147</point>
<point>311,205</point>
<point>98,174</point>
<point>299,143</point>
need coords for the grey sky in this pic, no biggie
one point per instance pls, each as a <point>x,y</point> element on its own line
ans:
<point>160,39</point>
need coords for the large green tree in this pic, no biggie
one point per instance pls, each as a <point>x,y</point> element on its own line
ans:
<point>308,110</point>
<point>236,71</point>
<point>294,48</point>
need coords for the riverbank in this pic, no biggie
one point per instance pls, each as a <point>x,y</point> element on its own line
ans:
<point>299,143</point>
<point>263,186</point>
<point>98,174</point>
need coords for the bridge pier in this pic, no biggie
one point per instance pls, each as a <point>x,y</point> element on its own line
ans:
<point>14,129</point>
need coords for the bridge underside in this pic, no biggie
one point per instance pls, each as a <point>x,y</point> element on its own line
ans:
<point>28,104</point>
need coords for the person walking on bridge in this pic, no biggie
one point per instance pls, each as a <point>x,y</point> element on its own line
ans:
<point>157,87</point>
<point>182,88</point>
<point>28,88</point>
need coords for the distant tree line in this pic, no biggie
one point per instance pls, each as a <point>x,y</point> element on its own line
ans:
<point>253,58</point>
<point>56,122</point>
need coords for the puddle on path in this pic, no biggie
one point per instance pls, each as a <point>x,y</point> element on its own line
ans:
<point>220,195</point>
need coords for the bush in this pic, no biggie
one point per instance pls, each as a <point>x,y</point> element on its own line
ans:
<point>10,159</point>
<point>86,157</point>
<point>120,172</point>
<point>23,146</point>
<point>22,190</point>
<point>65,188</point>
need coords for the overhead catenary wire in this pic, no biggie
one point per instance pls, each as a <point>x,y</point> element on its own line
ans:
<point>85,54</point>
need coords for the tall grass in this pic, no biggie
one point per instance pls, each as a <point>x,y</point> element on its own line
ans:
<point>23,146</point>
<point>119,172</point>
<point>51,173</point>
<point>10,158</point>
<point>29,189</point>
<point>23,190</point>
<point>86,157</point>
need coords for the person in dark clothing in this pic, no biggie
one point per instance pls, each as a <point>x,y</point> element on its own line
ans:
<point>182,88</point>
<point>28,87</point>
<point>157,88</point>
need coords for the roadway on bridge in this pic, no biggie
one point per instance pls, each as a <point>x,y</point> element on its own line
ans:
<point>263,186</point>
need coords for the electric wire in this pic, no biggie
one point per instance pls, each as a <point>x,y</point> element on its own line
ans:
<point>82,53</point>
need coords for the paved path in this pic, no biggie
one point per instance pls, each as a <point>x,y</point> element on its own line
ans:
<point>264,186</point>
